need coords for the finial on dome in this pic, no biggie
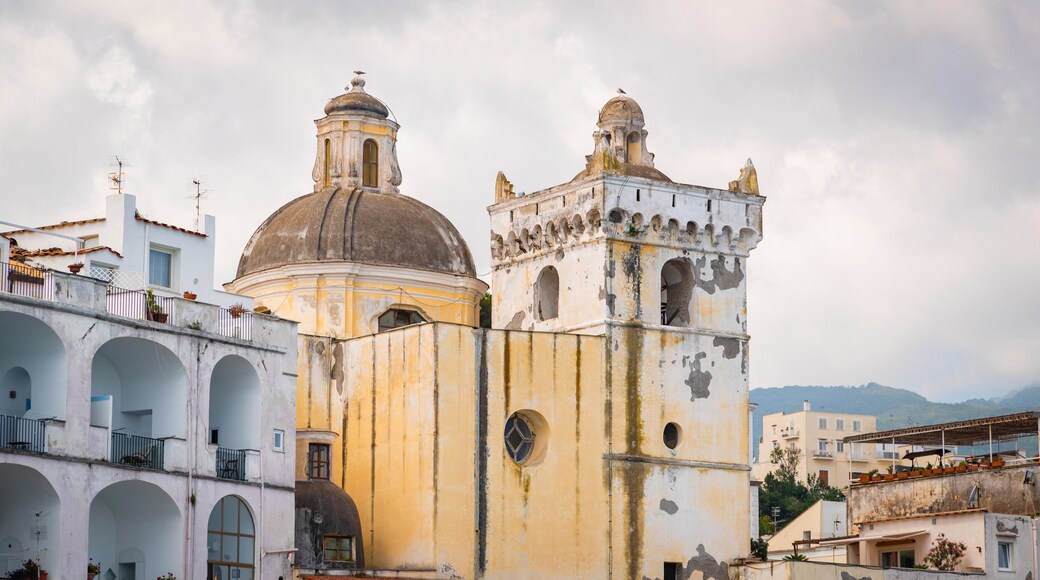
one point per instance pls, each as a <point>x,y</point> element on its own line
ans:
<point>357,83</point>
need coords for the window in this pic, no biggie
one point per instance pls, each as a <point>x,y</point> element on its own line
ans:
<point>326,174</point>
<point>370,164</point>
<point>1005,551</point>
<point>339,548</point>
<point>672,434</point>
<point>160,268</point>
<point>231,541</point>
<point>839,424</point>
<point>823,422</point>
<point>519,438</point>
<point>839,446</point>
<point>633,149</point>
<point>821,445</point>
<point>672,571</point>
<point>90,241</point>
<point>279,441</point>
<point>774,429</point>
<point>776,445</point>
<point>857,426</point>
<point>897,559</point>
<point>318,461</point>
<point>547,294</point>
<point>396,318</point>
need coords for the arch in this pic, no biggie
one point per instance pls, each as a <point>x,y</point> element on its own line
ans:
<point>536,237</point>
<point>512,244</point>
<point>327,161</point>
<point>234,404</point>
<point>577,226</point>
<point>616,215</point>
<point>655,223</point>
<point>547,294</point>
<point>136,530</point>
<point>370,163</point>
<point>594,220</point>
<point>552,235</point>
<point>398,317</point>
<point>231,546</point>
<point>637,221</point>
<point>634,147</point>
<point>565,228</point>
<point>708,233</point>
<point>676,292</point>
<point>138,387</point>
<point>28,499</point>
<point>29,344</point>
<point>691,230</point>
<point>673,227</point>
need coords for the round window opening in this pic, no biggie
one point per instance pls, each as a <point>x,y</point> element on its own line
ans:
<point>519,438</point>
<point>672,434</point>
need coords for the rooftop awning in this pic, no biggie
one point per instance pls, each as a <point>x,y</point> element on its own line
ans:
<point>877,537</point>
<point>970,432</point>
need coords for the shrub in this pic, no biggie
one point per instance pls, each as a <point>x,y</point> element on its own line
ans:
<point>945,553</point>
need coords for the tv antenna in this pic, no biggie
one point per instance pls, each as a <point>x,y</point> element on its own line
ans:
<point>198,195</point>
<point>117,178</point>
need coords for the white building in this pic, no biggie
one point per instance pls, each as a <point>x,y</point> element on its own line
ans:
<point>148,447</point>
<point>129,251</point>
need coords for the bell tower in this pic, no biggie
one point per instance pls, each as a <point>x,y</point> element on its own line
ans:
<point>622,243</point>
<point>357,143</point>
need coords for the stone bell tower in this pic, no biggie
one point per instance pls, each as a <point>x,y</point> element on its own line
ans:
<point>357,143</point>
<point>623,243</point>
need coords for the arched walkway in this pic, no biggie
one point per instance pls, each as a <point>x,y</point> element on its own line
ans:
<point>136,531</point>
<point>234,414</point>
<point>33,366</point>
<point>30,519</point>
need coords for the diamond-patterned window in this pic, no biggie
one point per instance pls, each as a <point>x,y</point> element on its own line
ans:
<point>519,438</point>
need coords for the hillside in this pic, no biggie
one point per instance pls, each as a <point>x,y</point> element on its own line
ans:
<point>894,408</point>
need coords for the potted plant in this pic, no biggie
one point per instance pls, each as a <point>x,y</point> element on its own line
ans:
<point>236,310</point>
<point>890,476</point>
<point>962,466</point>
<point>189,295</point>
<point>864,478</point>
<point>997,463</point>
<point>903,474</point>
<point>152,309</point>
<point>949,469</point>
<point>30,569</point>
<point>75,268</point>
<point>167,576</point>
<point>93,569</point>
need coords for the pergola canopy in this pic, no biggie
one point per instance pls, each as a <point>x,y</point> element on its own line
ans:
<point>970,432</point>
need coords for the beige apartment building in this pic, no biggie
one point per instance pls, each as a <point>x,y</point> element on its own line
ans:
<point>818,436</point>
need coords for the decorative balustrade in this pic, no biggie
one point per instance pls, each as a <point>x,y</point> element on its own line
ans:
<point>137,451</point>
<point>24,434</point>
<point>118,278</point>
<point>23,280</point>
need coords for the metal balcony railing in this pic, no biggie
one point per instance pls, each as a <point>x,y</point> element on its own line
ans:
<point>22,433</point>
<point>821,454</point>
<point>231,463</point>
<point>888,455</point>
<point>17,278</point>
<point>789,433</point>
<point>136,304</point>
<point>235,326</point>
<point>137,451</point>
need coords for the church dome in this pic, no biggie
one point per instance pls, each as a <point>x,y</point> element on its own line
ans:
<point>623,109</point>
<point>356,100</point>
<point>352,225</point>
<point>324,509</point>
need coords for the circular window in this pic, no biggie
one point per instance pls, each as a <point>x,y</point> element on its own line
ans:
<point>672,435</point>
<point>519,438</point>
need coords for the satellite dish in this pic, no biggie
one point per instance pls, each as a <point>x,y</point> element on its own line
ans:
<point>973,497</point>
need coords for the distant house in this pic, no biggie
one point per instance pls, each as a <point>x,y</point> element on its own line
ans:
<point>824,520</point>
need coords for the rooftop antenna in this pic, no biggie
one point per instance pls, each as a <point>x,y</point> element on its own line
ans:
<point>117,177</point>
<point>198,195</point>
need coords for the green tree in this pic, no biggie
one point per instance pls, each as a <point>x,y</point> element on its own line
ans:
<point>485,310</point>
<point>781,488</point>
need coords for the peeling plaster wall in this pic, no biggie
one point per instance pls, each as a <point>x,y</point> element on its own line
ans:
<point>1002,491</point>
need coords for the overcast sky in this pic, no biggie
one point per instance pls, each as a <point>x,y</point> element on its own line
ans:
<point>897,142</point>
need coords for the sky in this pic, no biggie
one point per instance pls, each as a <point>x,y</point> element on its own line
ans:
<point>896,142</point>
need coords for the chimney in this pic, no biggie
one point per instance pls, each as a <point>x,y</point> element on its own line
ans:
<point>805,405</point>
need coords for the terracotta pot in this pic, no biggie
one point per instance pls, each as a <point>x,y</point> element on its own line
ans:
<point>875,478</point>
<point>889,476</point>
<point>864,478</point>
<point>75,268</point>
<point>961,468</point>
<point>156,316</point>
<point>903,475</point>
<point>43,575</point>
<point>190,296</point>
<point>997,463</point>
<point>949,470</point>
<point>90,575</point>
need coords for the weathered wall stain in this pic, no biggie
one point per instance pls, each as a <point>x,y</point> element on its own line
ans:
<point>722,278</point>
<point>707,565</point>
<point>516,323</point>
<point>699,380</point>
<point>633,267</point>
<point>337,367</point>
<point>669,507</point>
<point>847,576</point>
<point>1002,527</point>
<point>730,346</point>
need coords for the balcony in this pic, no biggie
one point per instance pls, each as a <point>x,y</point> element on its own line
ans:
<point>17,278</point>
<point>859,456</point>
<point>789,433</point>
<point>821,454</point>
<point>888,455</point>
<point>231,463</point>
<point>23,434</point>
<point>137,451</point>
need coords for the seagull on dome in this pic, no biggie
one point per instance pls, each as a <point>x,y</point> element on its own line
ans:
<point>621,91</point>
